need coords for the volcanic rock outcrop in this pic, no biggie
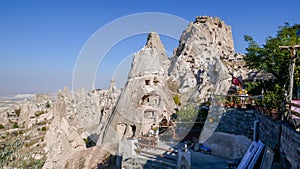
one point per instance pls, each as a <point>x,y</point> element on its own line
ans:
<point>145,100</point>
<point>198,64</point>
<point>78,116</point>
<point>203,65</point>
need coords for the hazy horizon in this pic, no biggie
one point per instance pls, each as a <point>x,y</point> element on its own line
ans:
<point>41,40</point>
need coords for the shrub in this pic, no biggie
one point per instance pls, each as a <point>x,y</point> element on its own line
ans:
<point>176,99</point>
<point>273,99</point>
<point>38,113</point>
<point>44,128</point>
<point>48,104</point>
<point>15,125</point>
<point>1,126</point>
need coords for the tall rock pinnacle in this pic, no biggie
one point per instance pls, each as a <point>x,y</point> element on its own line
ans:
<point>198,62</point>
<point>145,98</point>
<point>153,41</point>
<point>151,59</point>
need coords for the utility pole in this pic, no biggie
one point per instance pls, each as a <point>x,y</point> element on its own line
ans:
<point>293,50</point>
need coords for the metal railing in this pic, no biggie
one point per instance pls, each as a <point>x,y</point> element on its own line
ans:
<point>290,112</point>
<point>237,101</point>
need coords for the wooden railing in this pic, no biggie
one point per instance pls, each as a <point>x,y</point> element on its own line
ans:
<point>292,115</point>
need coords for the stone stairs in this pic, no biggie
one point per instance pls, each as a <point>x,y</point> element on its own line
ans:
<point>159,155</point>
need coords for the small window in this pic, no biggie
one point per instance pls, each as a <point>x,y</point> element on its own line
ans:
<point>149,114</point>
<point>145,99</point>
<point>147,82</point>
<point>155,81</point>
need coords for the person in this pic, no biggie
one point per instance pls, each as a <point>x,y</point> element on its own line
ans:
<point>164,121</point>
<point>151,132</point>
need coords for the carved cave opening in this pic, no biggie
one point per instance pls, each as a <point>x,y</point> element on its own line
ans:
<point>150,100</point>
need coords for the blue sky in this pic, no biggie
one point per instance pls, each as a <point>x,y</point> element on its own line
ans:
<point>41,40</point>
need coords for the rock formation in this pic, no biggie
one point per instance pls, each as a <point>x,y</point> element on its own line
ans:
<point>203,65</point>
<point>77,116</point>
<point>145,99</point>
<point>62,139</point>
<point>198,63</point>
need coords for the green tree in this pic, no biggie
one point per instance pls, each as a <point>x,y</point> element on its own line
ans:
<point>269,58</point>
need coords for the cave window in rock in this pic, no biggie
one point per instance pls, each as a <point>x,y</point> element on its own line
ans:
<point>190,59</point>
<point>150,100</point>
<point>155,81</point>
<point>145,99</point>
<point>147,82</point>
<point>154,101</point>
<point>133,129</point>
<point>149,114</point>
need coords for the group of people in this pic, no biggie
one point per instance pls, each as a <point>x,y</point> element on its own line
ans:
<point>163,126</point>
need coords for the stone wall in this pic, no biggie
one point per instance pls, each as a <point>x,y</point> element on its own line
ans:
<point>276,134</point>
<point>238,122</point>
<point>290,147</point>
<point>269,131</point>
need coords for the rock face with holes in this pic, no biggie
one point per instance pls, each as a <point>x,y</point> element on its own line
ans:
<point>78,116</point>
<point>203,64</point>
<point>199,63</point>
<point>145,98</point>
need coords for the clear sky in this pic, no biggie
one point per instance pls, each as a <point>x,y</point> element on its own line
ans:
<point>41,40</point>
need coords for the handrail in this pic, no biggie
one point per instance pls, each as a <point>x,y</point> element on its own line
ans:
<point>294,104</point>
<point>242,95</point>
<point>293,116</point>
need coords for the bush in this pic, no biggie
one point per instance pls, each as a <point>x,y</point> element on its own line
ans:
<point>15,125</point>
<point>38,113</point>
<point>273,99</point>
<point>177,100</point>
<point>48,104</point>
<point>44,128</point>
<point>1,126</point>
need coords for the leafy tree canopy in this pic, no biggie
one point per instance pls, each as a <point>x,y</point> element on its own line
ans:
<point>270,58</point>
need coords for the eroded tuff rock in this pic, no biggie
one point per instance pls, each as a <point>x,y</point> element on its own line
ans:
<point>203,64</point>
<point>62,139</point>
<point>198,64</point>
<point>145,98</point>
<point>76,117</point>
